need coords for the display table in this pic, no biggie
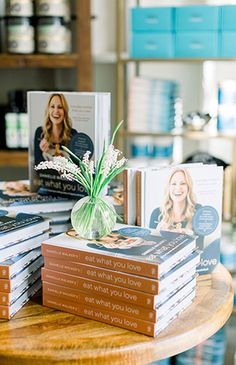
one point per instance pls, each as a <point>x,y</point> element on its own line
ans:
<point>39,335</point>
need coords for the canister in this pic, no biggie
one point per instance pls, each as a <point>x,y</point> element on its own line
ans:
<point>19,8</point>
<point>59,8</point>
<point>20,35</point>
<point>53,35</point>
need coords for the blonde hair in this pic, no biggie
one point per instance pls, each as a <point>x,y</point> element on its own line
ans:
<point>67,124</point>
<point>190,202</point>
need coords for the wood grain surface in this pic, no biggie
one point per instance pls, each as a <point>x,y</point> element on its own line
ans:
<point>38,335</point>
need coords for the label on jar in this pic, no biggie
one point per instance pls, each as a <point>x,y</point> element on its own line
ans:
<point>54,38</point>
<point>19,7</point>
<point>20,38</point>
<point>53,8</point>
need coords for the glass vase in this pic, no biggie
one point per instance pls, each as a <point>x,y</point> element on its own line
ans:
<point>93,218</point>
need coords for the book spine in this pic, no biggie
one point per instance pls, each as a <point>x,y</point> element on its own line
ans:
<point>139,197</point>
<point>91,286</point>
<point>4,272</point>
<point>147,269</point>
<point>104,316</point>
<point>5,285</point>
<point>135,282</point>
<point>125,195</point>
<point>5,312</point>
<point>98,301</point>
<point>4,298</point>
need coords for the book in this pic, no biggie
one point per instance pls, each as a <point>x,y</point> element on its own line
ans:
<point>101,302</point>
<point>23,246</point>
<point>6,312</point>
<point>16,227</point>
<point>119,320</point>
<point>84,120</point>
<point>129,176</point>
<point>8,285</point>
<point>128,249</point>
<point>11,267</point>
<point>34,203</point>
<point>139,283</point>
<point>116,292</point>
<point>10,298</point>
<point>188,200</point>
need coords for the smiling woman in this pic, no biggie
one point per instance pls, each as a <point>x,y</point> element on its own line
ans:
<point>179,205</point>
<point>57,129</point>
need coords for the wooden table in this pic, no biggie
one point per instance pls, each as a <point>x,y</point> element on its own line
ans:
<point>42,336</point>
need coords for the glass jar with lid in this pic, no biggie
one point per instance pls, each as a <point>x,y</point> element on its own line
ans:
<point>19,8</point>
<point>59,8</point>
<point>20,35</point>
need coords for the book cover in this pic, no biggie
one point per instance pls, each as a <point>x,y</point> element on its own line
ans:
<point>11,267</point>
<point>129,249</point>
<point>117,319</point>
<point>186,199</point>
<point>99,301</point>
<point>119,278</point>
<point>16,227</point>
<point>77,120</point>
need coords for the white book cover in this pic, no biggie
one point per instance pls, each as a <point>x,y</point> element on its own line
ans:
<point>80,121</point>
<point>186,199</point>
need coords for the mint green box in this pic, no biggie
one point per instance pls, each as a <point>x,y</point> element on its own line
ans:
<point>152,19</point>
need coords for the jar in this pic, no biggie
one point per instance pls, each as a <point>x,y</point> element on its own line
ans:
<point>19,8</point>
<point>53,35</point>
<point>20,35</point>
<point>59,8</point>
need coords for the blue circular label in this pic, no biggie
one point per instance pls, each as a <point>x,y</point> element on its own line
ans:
<point>134,231</point>
<point>205,220</point>
<point>81,143</point>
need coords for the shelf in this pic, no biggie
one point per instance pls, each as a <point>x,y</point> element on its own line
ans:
<point>38,60</point>
<point>184,134</point>
<point>13,158</point>
<point>127,59</point>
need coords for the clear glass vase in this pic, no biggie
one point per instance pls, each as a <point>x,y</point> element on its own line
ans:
<point>93,218</point>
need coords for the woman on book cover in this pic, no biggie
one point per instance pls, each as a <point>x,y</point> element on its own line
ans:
<point>57,130</point>
<point>179,205</point>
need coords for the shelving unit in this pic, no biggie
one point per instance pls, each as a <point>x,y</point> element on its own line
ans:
<point>123,60</point>
<point>80,60</point>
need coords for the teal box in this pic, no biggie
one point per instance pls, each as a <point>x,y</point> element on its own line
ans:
<point>152,19</point>
<point>229,17</point>
<point>152,45</point>
<point>196,45</point>
<point>197,18</point>
<point>228,44</point>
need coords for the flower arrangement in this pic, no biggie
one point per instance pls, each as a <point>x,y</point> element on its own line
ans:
<point>92,216</point>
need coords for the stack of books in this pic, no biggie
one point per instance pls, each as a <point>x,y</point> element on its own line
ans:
<point>15,196</point>
<point>21,236</point>
<point>131,278</point>
<point>152,105</point>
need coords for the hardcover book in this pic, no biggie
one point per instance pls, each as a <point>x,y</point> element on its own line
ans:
<point>11,267</point>
<point>135,282</point>
<point>16,227</point>
<point>10,298</point>
<point>20,247</point>
<point>184,199</point>
<point>129,249</point>
<point>9,285</point>
<point>77,120</point>
<point>7,312</point>
<point>115,292</point>
<point>117,319</point>
<point>99,301</point>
